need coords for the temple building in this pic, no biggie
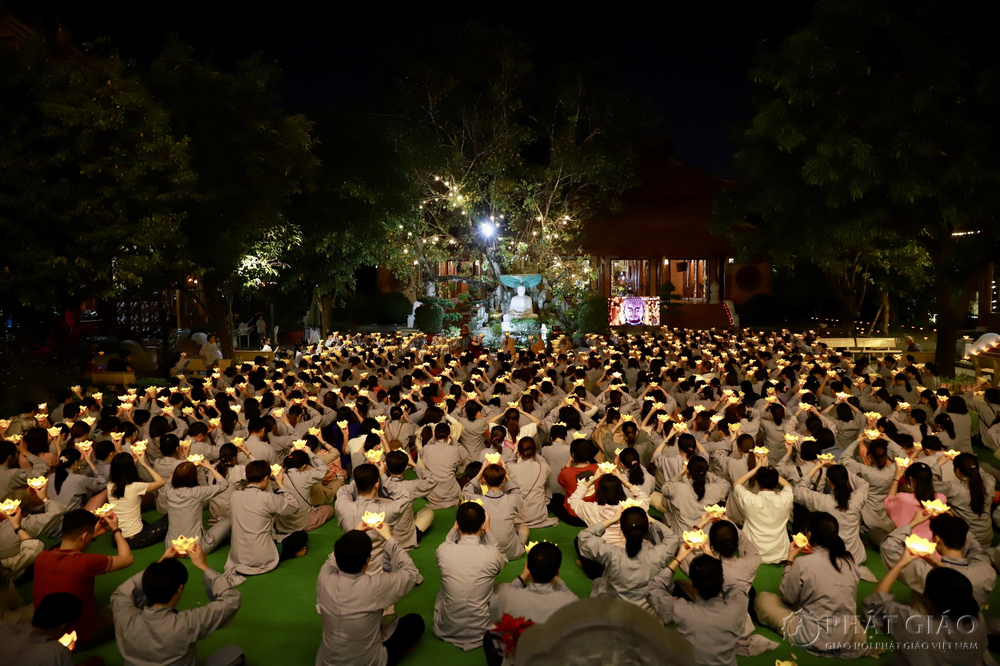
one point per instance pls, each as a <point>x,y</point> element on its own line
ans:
<point>660,234</point>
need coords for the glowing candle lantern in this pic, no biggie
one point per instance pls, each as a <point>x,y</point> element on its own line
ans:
<point>38,482</point>
<point>800,540</point>
<point>10,506</point>
<point>825,457</point>
<point>493,458</point>
<point>195,458</point>
<point>715,511</point>
<point>606,467</point>
<point>372,519</point>
<point>951,454</point>
<point>183,545</point>
<point>630,503</point>
<point>104,510</point>
<point>935,507</point>
<point>695,538</point>
<point>920,546</point>
<point>760,450</point>
<point>68,640</point>
<point>275,469</point>
<point>374,455</point>
<point>903,463</point>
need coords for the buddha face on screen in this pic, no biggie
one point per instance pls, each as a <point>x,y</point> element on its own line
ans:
<point>635,310</point>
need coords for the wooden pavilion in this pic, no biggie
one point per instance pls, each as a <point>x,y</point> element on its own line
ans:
<point>660,234</point>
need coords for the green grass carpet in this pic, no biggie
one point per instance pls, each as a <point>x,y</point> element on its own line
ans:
<point>278,623</point>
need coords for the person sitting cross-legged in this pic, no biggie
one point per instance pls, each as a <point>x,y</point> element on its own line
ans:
<point>69,569</point>
<point>38,642</point>
<point>534,595</point>
<point>148,626</point>
<point>351,601</point>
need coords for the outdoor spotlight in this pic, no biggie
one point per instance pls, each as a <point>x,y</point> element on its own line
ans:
<point>486,228</point>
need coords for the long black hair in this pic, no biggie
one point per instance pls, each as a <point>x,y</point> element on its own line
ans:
<point>629,458</point>
<point>944,422</point>
<point>122,473</point>
<point>838,478</point>
<point>824,531</point>
<point>968,465</point>
<point>921,480</point>
<point>67,459</point>
<point>635,525</point>
<point>698,468</point>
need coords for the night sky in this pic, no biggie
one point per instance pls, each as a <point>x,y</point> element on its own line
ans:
<point>690,59</point>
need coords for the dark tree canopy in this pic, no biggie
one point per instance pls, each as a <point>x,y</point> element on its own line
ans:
<point>875,129</point>
<point>94,181</point>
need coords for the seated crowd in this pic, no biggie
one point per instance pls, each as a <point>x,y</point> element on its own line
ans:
<point>710,452</point>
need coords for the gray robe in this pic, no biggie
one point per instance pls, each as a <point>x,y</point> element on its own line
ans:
<point>163,636</point>
<point>20,644</point>
<point>253,512</point>
<point>532,477</point>
<point>469,566</point>
<point>535,603</point>
<point>923,640</point>
<point>627,577</point>
<point>683,504</point>
<point>261,450</point>
<point>184,507</point>
<point>350,508</point>
<point>849,520</point>
<point>442,460</point>
<point>165,467</point>
<point>351,606</point>
<point>960,501</point>
<point>712,626</point>
<point>300,484</point>
<point>817,591</point>
<point>398,488</point>
<point>974,565</point>
<point>503,506</point>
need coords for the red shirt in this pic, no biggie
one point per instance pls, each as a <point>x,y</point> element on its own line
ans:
<point>72,571</point>
<point>568,479</point>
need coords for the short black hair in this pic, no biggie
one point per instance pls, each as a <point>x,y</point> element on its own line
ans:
<point>352,551</point>
<point>767,478</point>
<point>472,469</point>
<point>77,522</point>
<point>197,428</point>
<point>365,477</point>
<point>57,609</point>
<point>256,425</point>
<point>544,560</point>
<point>395,462</point>
<point>952,530</point>
<point>706,575</point>
<point>161,580</point>
<point>257,471</point>
<point>470,517</point>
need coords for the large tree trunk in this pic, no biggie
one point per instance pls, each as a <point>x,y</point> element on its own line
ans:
<point>951,316</point>
<point>326,304</point>
<point>219,313</point>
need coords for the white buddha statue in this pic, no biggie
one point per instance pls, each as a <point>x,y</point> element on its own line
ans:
<point>520,306</point>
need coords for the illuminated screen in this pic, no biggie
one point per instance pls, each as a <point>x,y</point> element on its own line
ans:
<point>634,311</point>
